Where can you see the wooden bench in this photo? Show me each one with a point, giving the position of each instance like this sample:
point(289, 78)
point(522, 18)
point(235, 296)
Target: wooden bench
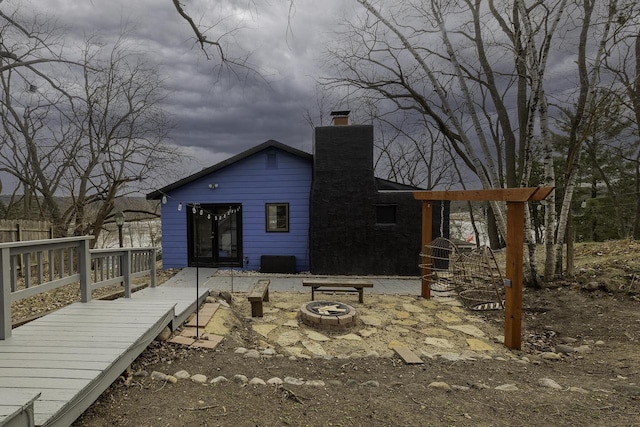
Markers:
point(257, 293)
point(338, 285)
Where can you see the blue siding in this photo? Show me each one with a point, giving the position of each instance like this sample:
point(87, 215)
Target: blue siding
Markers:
point(251, 182)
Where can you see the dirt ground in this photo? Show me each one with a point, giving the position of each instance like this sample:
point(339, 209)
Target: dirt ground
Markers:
point(579, 365)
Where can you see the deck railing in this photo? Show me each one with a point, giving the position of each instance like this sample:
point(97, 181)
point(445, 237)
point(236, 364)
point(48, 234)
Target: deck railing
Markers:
point(33, 267)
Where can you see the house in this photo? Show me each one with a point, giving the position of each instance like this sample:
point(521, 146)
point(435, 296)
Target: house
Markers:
point(274, 208)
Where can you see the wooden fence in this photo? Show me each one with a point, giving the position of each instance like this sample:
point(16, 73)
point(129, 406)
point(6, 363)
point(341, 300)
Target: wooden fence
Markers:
point(21, 230)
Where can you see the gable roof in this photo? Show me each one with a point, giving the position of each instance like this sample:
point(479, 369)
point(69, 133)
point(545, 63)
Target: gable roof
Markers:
point(156, 195)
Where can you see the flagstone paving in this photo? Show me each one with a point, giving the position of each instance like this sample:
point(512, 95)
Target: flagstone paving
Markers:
point(406, 326)
point(438, 327)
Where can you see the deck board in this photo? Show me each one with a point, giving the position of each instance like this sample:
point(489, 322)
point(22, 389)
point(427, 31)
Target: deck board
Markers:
point(16, 407)
point(71, 356)
point(55, 364)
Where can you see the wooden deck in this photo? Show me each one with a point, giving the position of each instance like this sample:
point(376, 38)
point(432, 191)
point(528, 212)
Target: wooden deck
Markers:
point(71, 356)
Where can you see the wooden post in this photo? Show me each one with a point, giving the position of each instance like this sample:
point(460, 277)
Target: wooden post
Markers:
point(126, 272)
point(514, 275)
point(427, 222)
point(19, 257)
point(153, 267)
point(84, 270)
point(5, 294)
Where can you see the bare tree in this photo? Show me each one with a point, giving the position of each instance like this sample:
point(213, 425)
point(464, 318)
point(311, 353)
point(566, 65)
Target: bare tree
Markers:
point(93, 136)
point(30, 54)
point(121, 131)
point(405, 153)
point(459, 73)
point(216, 40)
point(478, 72)
point(622, 62)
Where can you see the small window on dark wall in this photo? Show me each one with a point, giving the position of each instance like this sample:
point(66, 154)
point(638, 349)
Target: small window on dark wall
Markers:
point(278, 217)
point(385, 214)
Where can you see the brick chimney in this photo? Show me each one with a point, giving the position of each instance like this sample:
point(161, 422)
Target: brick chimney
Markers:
point(340, 118)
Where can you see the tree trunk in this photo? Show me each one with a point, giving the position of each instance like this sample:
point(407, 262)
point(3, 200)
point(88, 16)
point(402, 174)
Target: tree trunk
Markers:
point(571, 236)
point(635, 99)
point(580, 126)
point(495, 242)
point(531, 268)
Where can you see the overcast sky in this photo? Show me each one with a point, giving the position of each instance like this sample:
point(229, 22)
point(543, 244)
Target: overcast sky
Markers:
point(217, 116)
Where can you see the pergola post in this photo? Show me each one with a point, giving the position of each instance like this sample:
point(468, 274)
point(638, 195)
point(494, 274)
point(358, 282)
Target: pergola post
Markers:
point(427, 223)
point(514, 273)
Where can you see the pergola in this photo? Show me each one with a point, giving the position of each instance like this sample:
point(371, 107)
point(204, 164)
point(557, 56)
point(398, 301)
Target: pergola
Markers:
point(515, 199)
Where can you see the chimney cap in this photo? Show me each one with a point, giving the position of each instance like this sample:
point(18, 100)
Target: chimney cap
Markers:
point(340, 113)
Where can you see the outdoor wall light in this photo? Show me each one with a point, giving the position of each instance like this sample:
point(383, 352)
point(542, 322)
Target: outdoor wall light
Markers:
point(179, 206)
point(164, 200)
point(213, 186)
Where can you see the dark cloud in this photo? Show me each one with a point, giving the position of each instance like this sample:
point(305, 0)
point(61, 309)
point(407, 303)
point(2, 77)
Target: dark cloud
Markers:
point(219, 112)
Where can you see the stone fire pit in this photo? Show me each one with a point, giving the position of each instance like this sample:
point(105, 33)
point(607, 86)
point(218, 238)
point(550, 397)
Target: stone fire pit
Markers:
point(328, 315)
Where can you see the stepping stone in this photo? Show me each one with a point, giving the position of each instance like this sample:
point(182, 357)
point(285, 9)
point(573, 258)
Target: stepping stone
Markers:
point(401, 314)
point(371, 320)
point(317, 336)
point(405, 322)
point(448, 317)
point(411, 308)
point(204, 315)
point(429, 304)
point(438, 342)
point(263, 330)
point(208, 309)
point(212, 341)
point(182, 340)
point(288, 339)
point(365, 333)
point(405, 353)
point(191, 332)
point(394, 343)
point(314, 348)
point(474, 331)
point(425, 318)
point(350, 337)
point(452, 357)
point(295, 351)
point(437, 332)
point(478, 345)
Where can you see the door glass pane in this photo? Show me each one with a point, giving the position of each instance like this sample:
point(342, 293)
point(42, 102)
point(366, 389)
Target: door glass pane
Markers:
point(204, 246)
point(227, 236)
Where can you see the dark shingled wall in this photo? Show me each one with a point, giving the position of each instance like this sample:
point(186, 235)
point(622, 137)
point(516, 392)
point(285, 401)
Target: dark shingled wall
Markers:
point(344, 236)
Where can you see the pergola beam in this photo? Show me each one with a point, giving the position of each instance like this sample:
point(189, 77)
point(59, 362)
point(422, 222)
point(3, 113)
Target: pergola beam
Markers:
point(526, 194)
point(514, 272)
